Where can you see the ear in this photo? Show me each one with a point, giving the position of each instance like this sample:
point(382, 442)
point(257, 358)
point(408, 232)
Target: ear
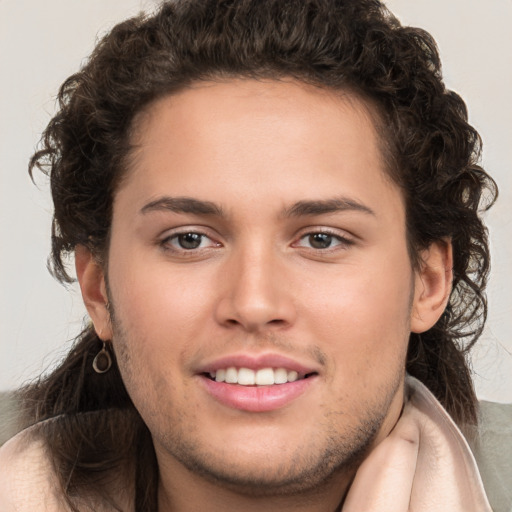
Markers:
point(432, 286)
point(94, 291)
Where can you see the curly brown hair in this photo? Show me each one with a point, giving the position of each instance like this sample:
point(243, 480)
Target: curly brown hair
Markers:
point(357, 45)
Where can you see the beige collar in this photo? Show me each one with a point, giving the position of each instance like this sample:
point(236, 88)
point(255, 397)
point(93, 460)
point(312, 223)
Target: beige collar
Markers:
point(424, 465)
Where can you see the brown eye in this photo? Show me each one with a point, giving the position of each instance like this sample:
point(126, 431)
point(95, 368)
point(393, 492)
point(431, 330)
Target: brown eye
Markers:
point(189, 240)
point(188, 243)
point(323, 241)
point(320, 240)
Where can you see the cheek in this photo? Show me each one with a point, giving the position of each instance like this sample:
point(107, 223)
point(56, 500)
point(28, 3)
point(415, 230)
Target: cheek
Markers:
point(153, 297)
point(157, 315)
point(364, 315)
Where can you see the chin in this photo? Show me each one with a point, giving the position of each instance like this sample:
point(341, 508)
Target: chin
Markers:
point(278, 472)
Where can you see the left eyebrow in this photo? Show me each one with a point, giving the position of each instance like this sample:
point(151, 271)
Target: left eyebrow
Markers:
point(321, 207)
point(183, 205)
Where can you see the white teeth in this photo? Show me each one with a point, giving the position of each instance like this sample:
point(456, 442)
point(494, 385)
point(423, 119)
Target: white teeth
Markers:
point(231, 375)
point(248, 377)
point(265, 377)
point(280, 376)
point(292, 376)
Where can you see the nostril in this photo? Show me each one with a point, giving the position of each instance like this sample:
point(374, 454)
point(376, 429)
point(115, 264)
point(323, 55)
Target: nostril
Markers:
point(232, 322)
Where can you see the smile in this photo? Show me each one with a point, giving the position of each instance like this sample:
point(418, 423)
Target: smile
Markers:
point(249, 377)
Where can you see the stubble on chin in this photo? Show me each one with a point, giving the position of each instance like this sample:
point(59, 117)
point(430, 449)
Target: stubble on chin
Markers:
point(307, 472)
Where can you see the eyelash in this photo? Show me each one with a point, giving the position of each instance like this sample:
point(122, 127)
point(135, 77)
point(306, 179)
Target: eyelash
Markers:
point(343, 241)
point(166, 243)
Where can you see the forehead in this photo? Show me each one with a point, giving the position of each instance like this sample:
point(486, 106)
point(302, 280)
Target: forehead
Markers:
point(249, 104)
point(248, 137)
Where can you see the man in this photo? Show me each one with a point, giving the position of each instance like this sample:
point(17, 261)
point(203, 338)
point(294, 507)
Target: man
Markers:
point(274, 212)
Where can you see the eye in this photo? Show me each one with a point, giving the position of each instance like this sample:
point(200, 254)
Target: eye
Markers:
point(188, 241)
point(323, 240)
point(320, 240)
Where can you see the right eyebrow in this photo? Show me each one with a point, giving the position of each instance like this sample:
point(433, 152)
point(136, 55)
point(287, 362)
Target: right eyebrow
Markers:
point(183, 205)
point(325, 206)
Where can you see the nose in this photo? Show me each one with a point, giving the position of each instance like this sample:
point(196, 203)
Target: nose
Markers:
point(255, 292)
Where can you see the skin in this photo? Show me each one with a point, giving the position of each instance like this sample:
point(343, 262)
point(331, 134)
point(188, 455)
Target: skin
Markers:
point(256, 285)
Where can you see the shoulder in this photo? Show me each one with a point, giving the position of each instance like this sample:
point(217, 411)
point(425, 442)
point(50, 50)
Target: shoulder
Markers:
point(27, 478)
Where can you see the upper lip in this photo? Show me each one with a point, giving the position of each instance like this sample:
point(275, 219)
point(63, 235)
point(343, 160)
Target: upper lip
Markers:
point(258, 361)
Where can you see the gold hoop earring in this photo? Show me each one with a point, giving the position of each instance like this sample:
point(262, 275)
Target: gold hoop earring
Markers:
point(102, 362)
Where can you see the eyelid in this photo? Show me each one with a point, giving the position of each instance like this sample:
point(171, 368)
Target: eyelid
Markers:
point(345, 238)
point(163, 240)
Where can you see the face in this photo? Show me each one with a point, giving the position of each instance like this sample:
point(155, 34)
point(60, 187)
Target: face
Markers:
point(260, 283)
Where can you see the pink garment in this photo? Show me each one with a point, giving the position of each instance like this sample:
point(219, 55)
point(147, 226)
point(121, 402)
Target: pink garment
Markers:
point(424, 465)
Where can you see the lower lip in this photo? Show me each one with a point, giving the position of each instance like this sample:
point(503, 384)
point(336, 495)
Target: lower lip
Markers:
point(256, 398)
